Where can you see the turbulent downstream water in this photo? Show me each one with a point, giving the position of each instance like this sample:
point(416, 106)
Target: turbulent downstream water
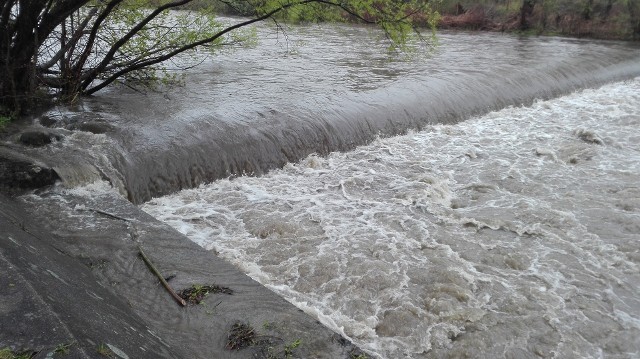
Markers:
point(514, 233)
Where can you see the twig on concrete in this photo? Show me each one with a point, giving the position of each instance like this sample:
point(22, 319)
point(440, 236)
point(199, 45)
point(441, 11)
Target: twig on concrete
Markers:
point(161, 278)
point(104, 213)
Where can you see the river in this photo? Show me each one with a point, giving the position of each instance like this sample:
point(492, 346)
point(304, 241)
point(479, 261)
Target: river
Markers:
point(321, 88)
point(484, 203)
point(514, 234)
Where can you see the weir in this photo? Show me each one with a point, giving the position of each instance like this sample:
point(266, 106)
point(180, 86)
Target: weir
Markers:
point(252, 111)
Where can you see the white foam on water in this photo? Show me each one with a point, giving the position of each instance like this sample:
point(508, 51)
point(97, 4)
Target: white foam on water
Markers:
point(515, 234)
point(99, 187)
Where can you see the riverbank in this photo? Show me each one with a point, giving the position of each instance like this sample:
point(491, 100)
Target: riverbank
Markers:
point(74, 283)
point(612, 20)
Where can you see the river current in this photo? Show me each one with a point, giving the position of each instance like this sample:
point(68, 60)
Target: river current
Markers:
point(515, 234)
point(319, 89)
point(485, 202)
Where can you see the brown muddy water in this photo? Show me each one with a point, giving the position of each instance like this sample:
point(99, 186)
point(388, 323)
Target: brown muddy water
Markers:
point(503, 220)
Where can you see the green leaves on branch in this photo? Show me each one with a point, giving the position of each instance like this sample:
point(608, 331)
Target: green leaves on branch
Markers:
point(173, 32)
point(85, 45)
point(402, 21)
point(145, 47)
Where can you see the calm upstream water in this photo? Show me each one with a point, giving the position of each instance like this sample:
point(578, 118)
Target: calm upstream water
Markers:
point(502, 220)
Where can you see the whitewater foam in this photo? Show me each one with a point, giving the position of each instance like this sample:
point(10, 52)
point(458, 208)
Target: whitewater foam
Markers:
point(512, 234)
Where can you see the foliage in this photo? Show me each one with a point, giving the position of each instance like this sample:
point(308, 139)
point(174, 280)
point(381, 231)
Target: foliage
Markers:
point(197, 293)
point(62, 348)
point(6, 353)
point(4, 120)
point(240, 336)
point(104, 351)
point(77, 47)
point(612, 19)
point(288, 349)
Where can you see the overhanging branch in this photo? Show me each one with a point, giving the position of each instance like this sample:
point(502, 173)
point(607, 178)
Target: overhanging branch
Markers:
point(72, 42)
point(143, 64)
point(122, 41)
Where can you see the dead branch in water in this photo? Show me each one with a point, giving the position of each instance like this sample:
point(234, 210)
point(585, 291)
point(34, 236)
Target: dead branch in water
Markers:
point(161, 278)
point(107, 214)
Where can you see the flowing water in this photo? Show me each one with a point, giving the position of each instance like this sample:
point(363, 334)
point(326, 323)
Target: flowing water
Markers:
point(515, 234)
point(321, 89)
point(473, 233)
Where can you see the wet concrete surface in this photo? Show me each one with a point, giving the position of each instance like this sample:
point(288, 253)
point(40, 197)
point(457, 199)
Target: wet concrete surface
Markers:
point(72, 278)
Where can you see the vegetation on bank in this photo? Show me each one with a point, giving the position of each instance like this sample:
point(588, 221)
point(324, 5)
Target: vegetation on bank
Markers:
point(602, 19)
point(60, 50)
point(68, 48)
point(4, 120)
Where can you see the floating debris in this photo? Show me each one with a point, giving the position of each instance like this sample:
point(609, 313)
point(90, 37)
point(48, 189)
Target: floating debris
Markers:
point(197, 293)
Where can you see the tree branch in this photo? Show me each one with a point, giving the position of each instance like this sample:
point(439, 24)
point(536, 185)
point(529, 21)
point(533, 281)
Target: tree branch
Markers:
point(159, 59)
point(91, 75)
point(155, 271)
point(94, 33)
point(72, 41)
point(61, 11)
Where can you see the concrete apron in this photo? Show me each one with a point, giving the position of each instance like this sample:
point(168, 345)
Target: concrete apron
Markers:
point(72, 280)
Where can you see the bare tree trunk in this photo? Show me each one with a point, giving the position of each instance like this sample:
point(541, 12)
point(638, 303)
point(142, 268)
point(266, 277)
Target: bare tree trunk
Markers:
point(634, 19)
point(17, 75)
point(525, 10)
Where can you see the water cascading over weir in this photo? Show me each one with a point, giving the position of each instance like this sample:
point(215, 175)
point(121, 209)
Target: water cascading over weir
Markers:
point(255, 110)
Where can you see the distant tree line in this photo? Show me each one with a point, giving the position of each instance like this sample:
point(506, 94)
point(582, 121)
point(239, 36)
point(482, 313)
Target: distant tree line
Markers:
point(607, 19)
